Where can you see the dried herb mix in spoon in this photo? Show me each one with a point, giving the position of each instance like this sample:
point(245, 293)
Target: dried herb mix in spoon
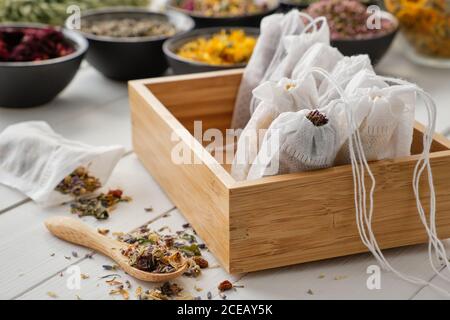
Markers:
point(153, 252)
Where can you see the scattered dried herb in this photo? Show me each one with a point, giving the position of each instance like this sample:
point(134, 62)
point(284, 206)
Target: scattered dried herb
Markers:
point(78, 183)
point(103, 232)
point(75, 254)
point(89, 255)
point(201, 262)
point(186, 225)
point(99, 206)
point(209, 295)
point(166, 292)
point(321, 276)
point(52, 254)
point(149, 209)
point(109, 267)
point(51, 294)
point(128, 28)
point(340, 277)
point(225, 286)
point(84, 276)
point(120, 291)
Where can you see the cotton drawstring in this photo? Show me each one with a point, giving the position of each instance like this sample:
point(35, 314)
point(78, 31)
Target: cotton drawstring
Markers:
point(360, 190)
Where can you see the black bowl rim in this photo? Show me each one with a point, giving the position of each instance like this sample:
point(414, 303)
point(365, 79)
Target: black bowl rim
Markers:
point(385, 15)
point(192, 14)
point(132, 10)
point(204, 31)
point(82, 45)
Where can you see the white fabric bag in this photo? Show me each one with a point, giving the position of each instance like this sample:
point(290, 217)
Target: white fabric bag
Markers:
point(295, 46)
point(34, 159)
point(319, 55)
point(276, 98)
point(344, 72)
point(386, 130)
point(297, 142)
point(266, 56)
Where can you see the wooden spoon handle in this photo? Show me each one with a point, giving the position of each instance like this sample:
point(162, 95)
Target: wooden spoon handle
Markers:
point(75, 231)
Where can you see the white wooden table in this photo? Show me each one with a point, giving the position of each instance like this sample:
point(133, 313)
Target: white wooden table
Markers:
point(95, 110)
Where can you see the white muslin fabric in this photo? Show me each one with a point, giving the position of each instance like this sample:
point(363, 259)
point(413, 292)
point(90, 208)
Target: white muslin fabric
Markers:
point(34, 159)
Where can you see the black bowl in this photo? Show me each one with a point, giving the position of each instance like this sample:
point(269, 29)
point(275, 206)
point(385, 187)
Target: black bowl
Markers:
point(250, 20)
point(375, 47)
point(30, 84)
point(131, 58)
point(181, 65)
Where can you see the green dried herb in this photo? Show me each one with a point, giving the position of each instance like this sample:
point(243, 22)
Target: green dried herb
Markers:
point(53, 12)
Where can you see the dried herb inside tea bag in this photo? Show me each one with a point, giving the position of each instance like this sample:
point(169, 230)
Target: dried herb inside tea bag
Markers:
point(78, 183)
point(99, 206)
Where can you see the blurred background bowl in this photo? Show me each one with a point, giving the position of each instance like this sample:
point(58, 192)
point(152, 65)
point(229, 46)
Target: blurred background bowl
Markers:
point(30, 84)
point(182, 65)
point(133, 57)
point(376, 46)
point(247, 20)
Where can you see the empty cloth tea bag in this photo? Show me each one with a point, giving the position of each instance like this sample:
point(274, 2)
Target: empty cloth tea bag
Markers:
point(266, 56)
point(276, 98)
point(297, 142)
point(34, 159)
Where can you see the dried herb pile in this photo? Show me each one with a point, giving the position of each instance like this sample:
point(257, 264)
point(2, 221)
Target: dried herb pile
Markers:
point(53, 11)
point(167, 291)
point(78, 183)
point(81, 186)
point(32, 44)
point(128, 28)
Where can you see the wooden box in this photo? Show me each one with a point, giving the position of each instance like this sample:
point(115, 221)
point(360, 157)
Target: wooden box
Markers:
point(275, 221)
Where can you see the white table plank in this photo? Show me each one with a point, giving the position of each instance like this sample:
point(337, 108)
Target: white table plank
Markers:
point(93, 288)
point(340, 278)
point(26, 245)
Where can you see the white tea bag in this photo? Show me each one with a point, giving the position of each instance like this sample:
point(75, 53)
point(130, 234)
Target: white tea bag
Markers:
point(344, 71)
point(296, 142)
point(386, 129)
point(266, 56)
point(317, 31)
point(276, 98)
point(34, 160)
point(320, 55)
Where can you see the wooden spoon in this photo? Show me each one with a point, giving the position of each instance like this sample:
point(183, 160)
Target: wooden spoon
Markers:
point(75, 231)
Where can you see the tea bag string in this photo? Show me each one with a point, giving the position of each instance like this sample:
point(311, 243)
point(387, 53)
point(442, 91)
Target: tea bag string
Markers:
point(422, 164)
point(358, 177)
point(362, 218)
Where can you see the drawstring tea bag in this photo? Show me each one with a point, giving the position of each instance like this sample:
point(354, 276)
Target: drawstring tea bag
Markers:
point(266, 56)
point(364, 214)
point(297, 142)
point(34, 159)
point(276, 98)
